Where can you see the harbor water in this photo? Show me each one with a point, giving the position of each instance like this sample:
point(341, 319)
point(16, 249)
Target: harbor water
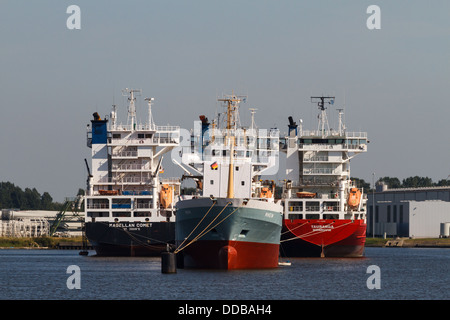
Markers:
point(404, 273)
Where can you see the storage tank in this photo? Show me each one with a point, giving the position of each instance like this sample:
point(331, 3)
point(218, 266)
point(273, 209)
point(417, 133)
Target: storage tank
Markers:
point(445, 230)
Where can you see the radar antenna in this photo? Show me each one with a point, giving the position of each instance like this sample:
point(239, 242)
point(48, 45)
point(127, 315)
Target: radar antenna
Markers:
point(323, 127)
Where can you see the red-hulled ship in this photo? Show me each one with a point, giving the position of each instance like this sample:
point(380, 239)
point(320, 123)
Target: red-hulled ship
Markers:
point(324, 211)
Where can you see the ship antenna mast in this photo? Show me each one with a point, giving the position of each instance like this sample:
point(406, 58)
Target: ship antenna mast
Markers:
point(150, 116)
point(323, 120)
point(341, 124)
point(253, 111)
point(131, 106)
point(232, 111)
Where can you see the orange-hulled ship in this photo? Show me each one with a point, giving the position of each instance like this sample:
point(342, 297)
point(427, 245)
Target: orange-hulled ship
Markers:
point(324, 211)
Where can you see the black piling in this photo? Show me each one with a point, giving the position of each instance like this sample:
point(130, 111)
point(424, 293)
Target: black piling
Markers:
point(168, 262)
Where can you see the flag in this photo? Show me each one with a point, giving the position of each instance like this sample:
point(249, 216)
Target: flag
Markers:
point(214, 166)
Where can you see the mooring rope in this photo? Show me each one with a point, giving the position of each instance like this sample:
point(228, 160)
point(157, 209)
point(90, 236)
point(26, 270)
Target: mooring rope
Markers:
point(206, 230)
point(214, 203)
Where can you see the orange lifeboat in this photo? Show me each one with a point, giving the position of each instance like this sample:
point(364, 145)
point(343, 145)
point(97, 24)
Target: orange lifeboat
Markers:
point(354, 198)
point(304, 194)
point(165, 196)
point(108, 192)
point(266, 193)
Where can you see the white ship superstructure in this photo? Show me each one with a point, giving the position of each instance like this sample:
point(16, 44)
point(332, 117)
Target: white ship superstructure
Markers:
point(125, 190)
point(254, 153)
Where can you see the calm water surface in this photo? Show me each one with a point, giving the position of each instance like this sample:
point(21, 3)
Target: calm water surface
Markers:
point(405, 273)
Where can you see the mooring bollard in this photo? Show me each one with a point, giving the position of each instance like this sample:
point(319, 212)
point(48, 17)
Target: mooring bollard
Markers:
point(168, 262)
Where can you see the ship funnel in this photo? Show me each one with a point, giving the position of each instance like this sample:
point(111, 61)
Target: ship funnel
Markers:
point(292, 126)
point(291, 122)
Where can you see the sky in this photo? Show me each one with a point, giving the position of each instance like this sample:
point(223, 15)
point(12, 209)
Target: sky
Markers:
point(392, 82)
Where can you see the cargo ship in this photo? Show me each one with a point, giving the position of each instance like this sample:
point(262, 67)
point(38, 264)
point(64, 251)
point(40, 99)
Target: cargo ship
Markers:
point(129, 207)
point(324, 210)
point(234, 221)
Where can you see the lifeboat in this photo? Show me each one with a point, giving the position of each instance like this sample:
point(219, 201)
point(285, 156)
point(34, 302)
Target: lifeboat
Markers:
point(266, 193)
point(304, 194)
point(165, 196)
point(108, 192)
point(354, 198)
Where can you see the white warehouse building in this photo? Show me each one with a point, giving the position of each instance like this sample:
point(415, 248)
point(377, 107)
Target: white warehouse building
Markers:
point(409, 212)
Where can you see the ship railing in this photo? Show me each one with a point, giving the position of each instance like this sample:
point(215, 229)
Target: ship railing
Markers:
point(355, 146)
point(318, 171)
point(143, 127)
point(133, 180)
point(334, 133)
point(138, 141)
point(329, 208)
point(314, 181)
point(295, 208)
point(317, 158)
point(167, 128)
point(326, 208)
point(323, 146)
point(310, 208)
point(98, 206)
point(170, 180)
point(356, 135)
point(167, 140)
point(125, 180)
point(143, 206)
point(129, 166)
point(124, 154)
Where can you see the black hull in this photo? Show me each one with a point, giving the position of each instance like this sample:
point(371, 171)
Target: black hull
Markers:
point(303, 249)
point(130, 239)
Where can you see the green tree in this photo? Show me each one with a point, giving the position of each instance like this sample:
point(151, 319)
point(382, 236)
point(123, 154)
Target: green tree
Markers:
point(13, 197)
point(443, 183)
point(32, 199)
point(417, 182)
point(46, 201)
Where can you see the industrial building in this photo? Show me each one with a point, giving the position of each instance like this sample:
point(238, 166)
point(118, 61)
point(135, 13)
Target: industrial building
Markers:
point(36, 223)
point(409, 212)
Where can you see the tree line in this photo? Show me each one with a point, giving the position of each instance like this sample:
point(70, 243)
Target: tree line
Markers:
point(13, 197)
point(411, 182)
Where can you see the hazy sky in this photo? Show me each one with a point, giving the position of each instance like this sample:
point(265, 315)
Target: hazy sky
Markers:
point(392, 82)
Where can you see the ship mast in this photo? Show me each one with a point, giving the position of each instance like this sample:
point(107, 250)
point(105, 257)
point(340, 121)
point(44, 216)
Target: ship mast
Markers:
point(253, 111)
point(323, 121)
point(232, 106)
point(150, 116)
point(131, 107)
